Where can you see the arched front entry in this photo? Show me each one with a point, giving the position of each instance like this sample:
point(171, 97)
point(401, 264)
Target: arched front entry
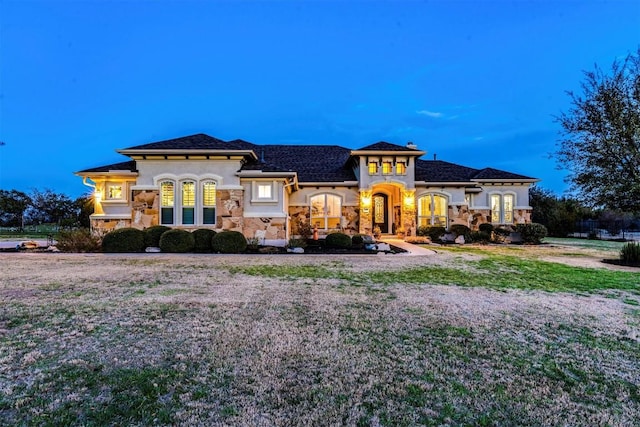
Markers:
point(380, 214)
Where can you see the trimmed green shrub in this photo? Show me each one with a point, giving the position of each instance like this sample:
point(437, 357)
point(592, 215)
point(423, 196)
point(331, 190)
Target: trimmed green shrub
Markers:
point(152, 235)
point(357, 240)
point(480, 237)
point(433, 232)
point(177, 241)
point(500, 234)
point(461, 230)
point(532, 233)
point(203, 237)
point(123, 240)
point(630, 253)
point(486, 227)
point(229, 242)
point(338, 240)
point(80, 240)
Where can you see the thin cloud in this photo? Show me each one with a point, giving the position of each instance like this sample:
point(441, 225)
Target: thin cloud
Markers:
point(428, 113)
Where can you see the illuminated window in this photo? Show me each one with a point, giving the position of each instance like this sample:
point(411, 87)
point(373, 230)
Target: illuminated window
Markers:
point(387, 168)
point(166, 202)
point(209, 202)
point(373, 168)
point(401, 168)
point(502, 208)
point(432, 210)
point(264, 191)
point(326, 211)
point(188, 202)
point(114, 192)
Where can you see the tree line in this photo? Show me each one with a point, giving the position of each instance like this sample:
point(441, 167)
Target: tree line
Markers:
point(19, 209)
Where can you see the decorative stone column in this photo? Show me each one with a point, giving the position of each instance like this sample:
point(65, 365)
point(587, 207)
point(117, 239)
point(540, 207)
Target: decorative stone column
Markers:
point(366, 220)
point(409, 211)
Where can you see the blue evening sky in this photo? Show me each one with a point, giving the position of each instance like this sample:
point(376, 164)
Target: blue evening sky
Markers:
point(477, 83)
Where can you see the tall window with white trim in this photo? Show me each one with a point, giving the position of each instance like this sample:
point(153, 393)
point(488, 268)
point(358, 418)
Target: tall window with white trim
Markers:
point(188, 202)
point(167, 201)
point(502, 208)
point(326, 211)
point(209, 202)
point(432, 210)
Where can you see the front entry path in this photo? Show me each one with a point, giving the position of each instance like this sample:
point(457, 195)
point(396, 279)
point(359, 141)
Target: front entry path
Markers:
point(411, 249)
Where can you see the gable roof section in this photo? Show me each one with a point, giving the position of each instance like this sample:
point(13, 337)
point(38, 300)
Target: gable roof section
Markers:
point(441, 171)
point(386, 146)
point(491, 174)
point(129, 166)
point(313, 163)
point(198, 141)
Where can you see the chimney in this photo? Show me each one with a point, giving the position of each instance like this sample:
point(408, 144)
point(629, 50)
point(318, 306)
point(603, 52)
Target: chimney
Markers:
point(435, 156)
point(412, 146)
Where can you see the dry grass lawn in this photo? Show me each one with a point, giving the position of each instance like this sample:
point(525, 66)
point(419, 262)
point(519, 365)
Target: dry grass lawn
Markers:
point(212, 340)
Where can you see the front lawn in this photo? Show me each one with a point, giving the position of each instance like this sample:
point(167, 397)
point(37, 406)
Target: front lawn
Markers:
point(469, 336)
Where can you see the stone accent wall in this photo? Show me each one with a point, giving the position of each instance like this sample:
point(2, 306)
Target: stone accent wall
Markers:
point(101, 227)
point(298, 213)
point(479, 216)
point(265, 228)
point(351, 219)
point(522, 216)
point(229, 210)
point(145, 208)
point(459, 214)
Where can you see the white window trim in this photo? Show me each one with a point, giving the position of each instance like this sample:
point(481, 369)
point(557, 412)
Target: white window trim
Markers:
point(325, 216)
point(125, 189)
point(502, 210)
point(432, 215)
point(174, 207)
point(254, 192)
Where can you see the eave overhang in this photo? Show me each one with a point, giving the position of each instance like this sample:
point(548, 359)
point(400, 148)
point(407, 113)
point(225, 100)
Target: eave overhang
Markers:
point(329, 184)
point(120, 173)
point(414, 153)
point(148, 154)
point(507, 181)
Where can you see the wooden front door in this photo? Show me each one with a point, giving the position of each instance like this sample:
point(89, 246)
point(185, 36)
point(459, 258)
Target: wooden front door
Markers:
point(381, 212)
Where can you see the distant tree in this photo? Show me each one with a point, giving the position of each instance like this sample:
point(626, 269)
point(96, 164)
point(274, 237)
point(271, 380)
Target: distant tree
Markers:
point(559, 214)
point(601, 137)
point(48, 207)
point(13, 205)
point(84, 206)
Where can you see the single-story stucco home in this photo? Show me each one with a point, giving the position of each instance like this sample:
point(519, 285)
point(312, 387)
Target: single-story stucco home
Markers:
point(263, 191)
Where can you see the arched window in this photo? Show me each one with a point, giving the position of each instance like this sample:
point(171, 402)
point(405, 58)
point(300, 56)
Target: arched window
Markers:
point(502, 208)
point(167, 202)
point(432, 210)
point(188, 202)
point(326, 211)
point(209, 202)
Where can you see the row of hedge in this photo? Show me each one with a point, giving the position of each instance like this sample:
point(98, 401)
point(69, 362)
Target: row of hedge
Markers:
point(174, 240)
point(532, 233)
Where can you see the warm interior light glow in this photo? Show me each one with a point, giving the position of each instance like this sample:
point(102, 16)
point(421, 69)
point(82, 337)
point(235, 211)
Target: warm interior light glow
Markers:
point(98, 195)
point(409, 199)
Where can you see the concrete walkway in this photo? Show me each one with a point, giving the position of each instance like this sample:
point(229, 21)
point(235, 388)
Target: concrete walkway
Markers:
point(413, 250)
point(11, 244)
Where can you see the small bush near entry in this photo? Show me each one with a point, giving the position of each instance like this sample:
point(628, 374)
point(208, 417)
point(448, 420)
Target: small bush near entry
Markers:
point(123, 240)
point(177, 241)
point(357, 240)
point(229, 242)
point(434, 233)
point(338, 240)
point(152, 235)
point(203, 237)
point(630, 253)
point(500, 234)
point(80, 240)
point(480, 237)
point(532, 233)
point(461, 230)
point(486, 228)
